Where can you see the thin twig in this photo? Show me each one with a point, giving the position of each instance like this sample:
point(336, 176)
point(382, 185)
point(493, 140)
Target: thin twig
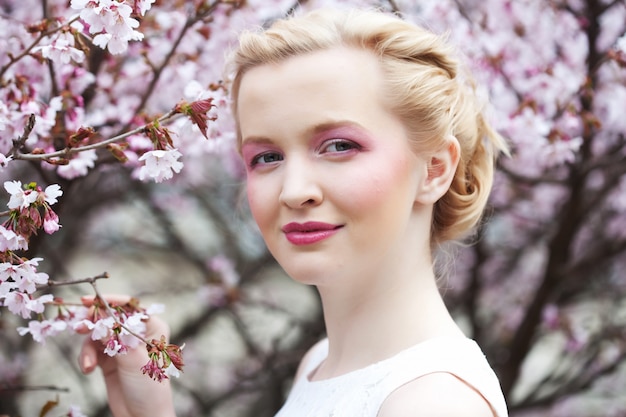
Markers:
point(92, 281)
point(20, 142)
point(34, 388)
point(68, 151)
point(89, 280)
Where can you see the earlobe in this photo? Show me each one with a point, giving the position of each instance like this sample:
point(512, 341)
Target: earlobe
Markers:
point(440, 170)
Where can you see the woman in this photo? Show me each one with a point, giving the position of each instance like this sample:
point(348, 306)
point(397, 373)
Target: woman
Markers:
point(365, 149)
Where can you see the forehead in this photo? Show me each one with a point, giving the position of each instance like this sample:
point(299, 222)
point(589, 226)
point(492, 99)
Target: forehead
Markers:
point(342, 83)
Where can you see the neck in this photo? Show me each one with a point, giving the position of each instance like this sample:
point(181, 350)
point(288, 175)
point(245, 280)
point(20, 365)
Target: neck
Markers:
point(381, 318)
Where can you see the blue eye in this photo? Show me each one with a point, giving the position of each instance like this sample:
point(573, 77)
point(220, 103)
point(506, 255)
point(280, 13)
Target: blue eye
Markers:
point(266, 158)
point(340, 145)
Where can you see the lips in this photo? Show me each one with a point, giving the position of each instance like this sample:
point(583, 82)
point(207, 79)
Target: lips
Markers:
point(310, 232)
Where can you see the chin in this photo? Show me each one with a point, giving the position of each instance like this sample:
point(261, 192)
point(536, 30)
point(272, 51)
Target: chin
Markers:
point(304, 277)
point(315, 267)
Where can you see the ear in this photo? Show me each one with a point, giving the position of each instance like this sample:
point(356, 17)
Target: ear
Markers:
point(440, 169)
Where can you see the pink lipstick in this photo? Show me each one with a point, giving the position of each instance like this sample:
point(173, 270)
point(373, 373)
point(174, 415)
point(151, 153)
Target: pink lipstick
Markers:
point(309, 232)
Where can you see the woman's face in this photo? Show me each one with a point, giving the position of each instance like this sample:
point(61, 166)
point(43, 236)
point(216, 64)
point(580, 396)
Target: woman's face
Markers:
point(332, 180)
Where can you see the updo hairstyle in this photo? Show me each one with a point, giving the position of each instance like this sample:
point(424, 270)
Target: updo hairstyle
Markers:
point(425, 88)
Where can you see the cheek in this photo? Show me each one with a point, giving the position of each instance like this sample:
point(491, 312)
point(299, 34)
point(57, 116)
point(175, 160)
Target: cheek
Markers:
point(261, 201)
point(380, 184)
point(365, 192)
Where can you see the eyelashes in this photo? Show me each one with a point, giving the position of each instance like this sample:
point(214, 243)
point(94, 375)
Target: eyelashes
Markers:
point(339, 146)
point(265, 158)
point(332, 148)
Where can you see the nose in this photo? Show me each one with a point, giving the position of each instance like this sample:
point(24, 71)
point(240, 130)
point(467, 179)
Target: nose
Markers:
point(301, 186)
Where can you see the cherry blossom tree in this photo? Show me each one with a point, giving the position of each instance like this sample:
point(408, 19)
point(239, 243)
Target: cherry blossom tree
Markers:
point(120, 174)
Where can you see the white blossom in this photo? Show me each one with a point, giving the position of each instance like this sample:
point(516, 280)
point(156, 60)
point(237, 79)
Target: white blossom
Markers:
point(20, 198)
point(9, 240)
point(40, 330)
point(79, 165)
point(160, 165)
point(52, 192)
point(61, 49)
point(110, 21)
point(102, 328)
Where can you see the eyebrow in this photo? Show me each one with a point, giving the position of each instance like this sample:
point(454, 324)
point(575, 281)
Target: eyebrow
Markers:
point(311, 131)
point(323, 127)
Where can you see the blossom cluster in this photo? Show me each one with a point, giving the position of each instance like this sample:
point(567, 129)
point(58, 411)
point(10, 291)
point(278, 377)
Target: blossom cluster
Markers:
point(47, 118)
point(29, 211)
point(111, 21)
point(26, 204)
point(120, 327)
point(166, 360)
point(57, 112)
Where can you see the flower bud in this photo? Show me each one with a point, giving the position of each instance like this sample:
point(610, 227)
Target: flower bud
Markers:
point(118, 151)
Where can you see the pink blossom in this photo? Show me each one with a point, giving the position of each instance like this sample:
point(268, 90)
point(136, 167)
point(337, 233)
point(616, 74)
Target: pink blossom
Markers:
point(102, 328)
point(79, 165)
point(8, 271)
point(76, 78)
point(17, 303)
point(6, 287)
point(10, 241)
point(560, 152)
point(37, 305)
point(46, 115)
point(139, 142)
point(83, 323)
point(24, 277)
point(61, 49)
point(160, 165)
point(111, 21)
point(114, 347)
point(142, 6)
point(51, 222)
point(135, 324)
point(29, 278)
point(116, 44)
point(40, 330)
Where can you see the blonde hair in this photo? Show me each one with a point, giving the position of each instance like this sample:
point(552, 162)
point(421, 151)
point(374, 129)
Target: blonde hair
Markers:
point(425, 86)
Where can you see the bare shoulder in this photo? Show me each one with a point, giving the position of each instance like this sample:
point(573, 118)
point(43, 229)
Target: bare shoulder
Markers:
point(436, 395)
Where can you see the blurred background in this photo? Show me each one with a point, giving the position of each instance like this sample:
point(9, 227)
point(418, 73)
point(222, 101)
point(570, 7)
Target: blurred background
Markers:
point(541, 288)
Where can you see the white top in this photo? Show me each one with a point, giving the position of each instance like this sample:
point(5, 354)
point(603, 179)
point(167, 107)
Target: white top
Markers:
point(362, 392)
